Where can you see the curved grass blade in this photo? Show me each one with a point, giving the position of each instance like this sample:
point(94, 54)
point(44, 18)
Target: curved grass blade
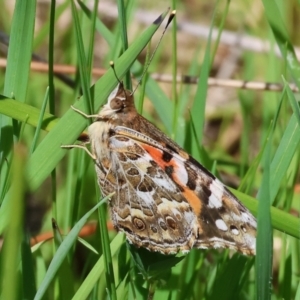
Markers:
point(26, 113)
point(89, 282)
point(63, 250)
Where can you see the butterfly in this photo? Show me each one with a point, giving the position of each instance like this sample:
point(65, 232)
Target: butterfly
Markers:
point(164, 200)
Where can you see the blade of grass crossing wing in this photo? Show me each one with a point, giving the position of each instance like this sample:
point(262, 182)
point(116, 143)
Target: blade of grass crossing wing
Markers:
point(65, 276)
point(91, 279)
point(63, 250)
point(72, 124)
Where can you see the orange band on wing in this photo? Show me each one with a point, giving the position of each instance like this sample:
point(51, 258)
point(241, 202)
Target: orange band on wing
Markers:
point(189, 195)
point(193, 200)
point(156, 154)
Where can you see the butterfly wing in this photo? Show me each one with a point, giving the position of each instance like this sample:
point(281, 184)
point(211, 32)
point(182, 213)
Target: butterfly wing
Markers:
point(147, 204)
point(166, 201)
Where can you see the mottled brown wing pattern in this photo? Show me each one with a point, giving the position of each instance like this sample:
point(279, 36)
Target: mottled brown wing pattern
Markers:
point(147, 204)
point(155, 173)
point(164, 199)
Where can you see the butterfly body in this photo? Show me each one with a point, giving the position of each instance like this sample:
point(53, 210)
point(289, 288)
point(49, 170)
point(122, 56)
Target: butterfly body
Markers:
point(164, 200)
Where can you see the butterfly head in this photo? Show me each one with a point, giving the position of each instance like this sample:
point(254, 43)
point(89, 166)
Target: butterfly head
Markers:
point(120, 103)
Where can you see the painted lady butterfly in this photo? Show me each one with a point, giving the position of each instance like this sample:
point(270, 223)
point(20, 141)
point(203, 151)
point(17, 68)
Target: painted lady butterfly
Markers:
point(164, 199)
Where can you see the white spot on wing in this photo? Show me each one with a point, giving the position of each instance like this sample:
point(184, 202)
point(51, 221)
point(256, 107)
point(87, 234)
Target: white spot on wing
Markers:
point(190, 218)
point(235, 231)
point(147, 197)
point(167, 184)
point(221, 225)
point(181, 173)
point(247, 218)
point(217, 190)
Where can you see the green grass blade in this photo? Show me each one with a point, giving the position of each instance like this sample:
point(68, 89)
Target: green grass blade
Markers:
point(40, 121)
point(280, 32)
point(11, 251)
point(284, 154)
point(92, 37)
point(89, 282)
point(64, 273)
point(174, 74)
point(84, 72)
point(28, 278)
point(227, 282)
point(161, 103)
point(198, 108)
point(293, 101)
point(124, 38)
point(16, 77)
point(298, 292)
point(19, 57)
point(107, 255)
point(63, 250)
point(26, 113)
point(51, 61)
point(285, 285)
point(264, 240)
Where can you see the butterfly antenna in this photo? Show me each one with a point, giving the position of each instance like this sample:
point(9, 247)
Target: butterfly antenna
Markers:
point(112, 65)
point(171, 17)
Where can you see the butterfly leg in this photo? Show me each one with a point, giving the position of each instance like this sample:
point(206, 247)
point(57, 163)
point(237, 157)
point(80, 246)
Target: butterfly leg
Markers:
point(80, 146)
